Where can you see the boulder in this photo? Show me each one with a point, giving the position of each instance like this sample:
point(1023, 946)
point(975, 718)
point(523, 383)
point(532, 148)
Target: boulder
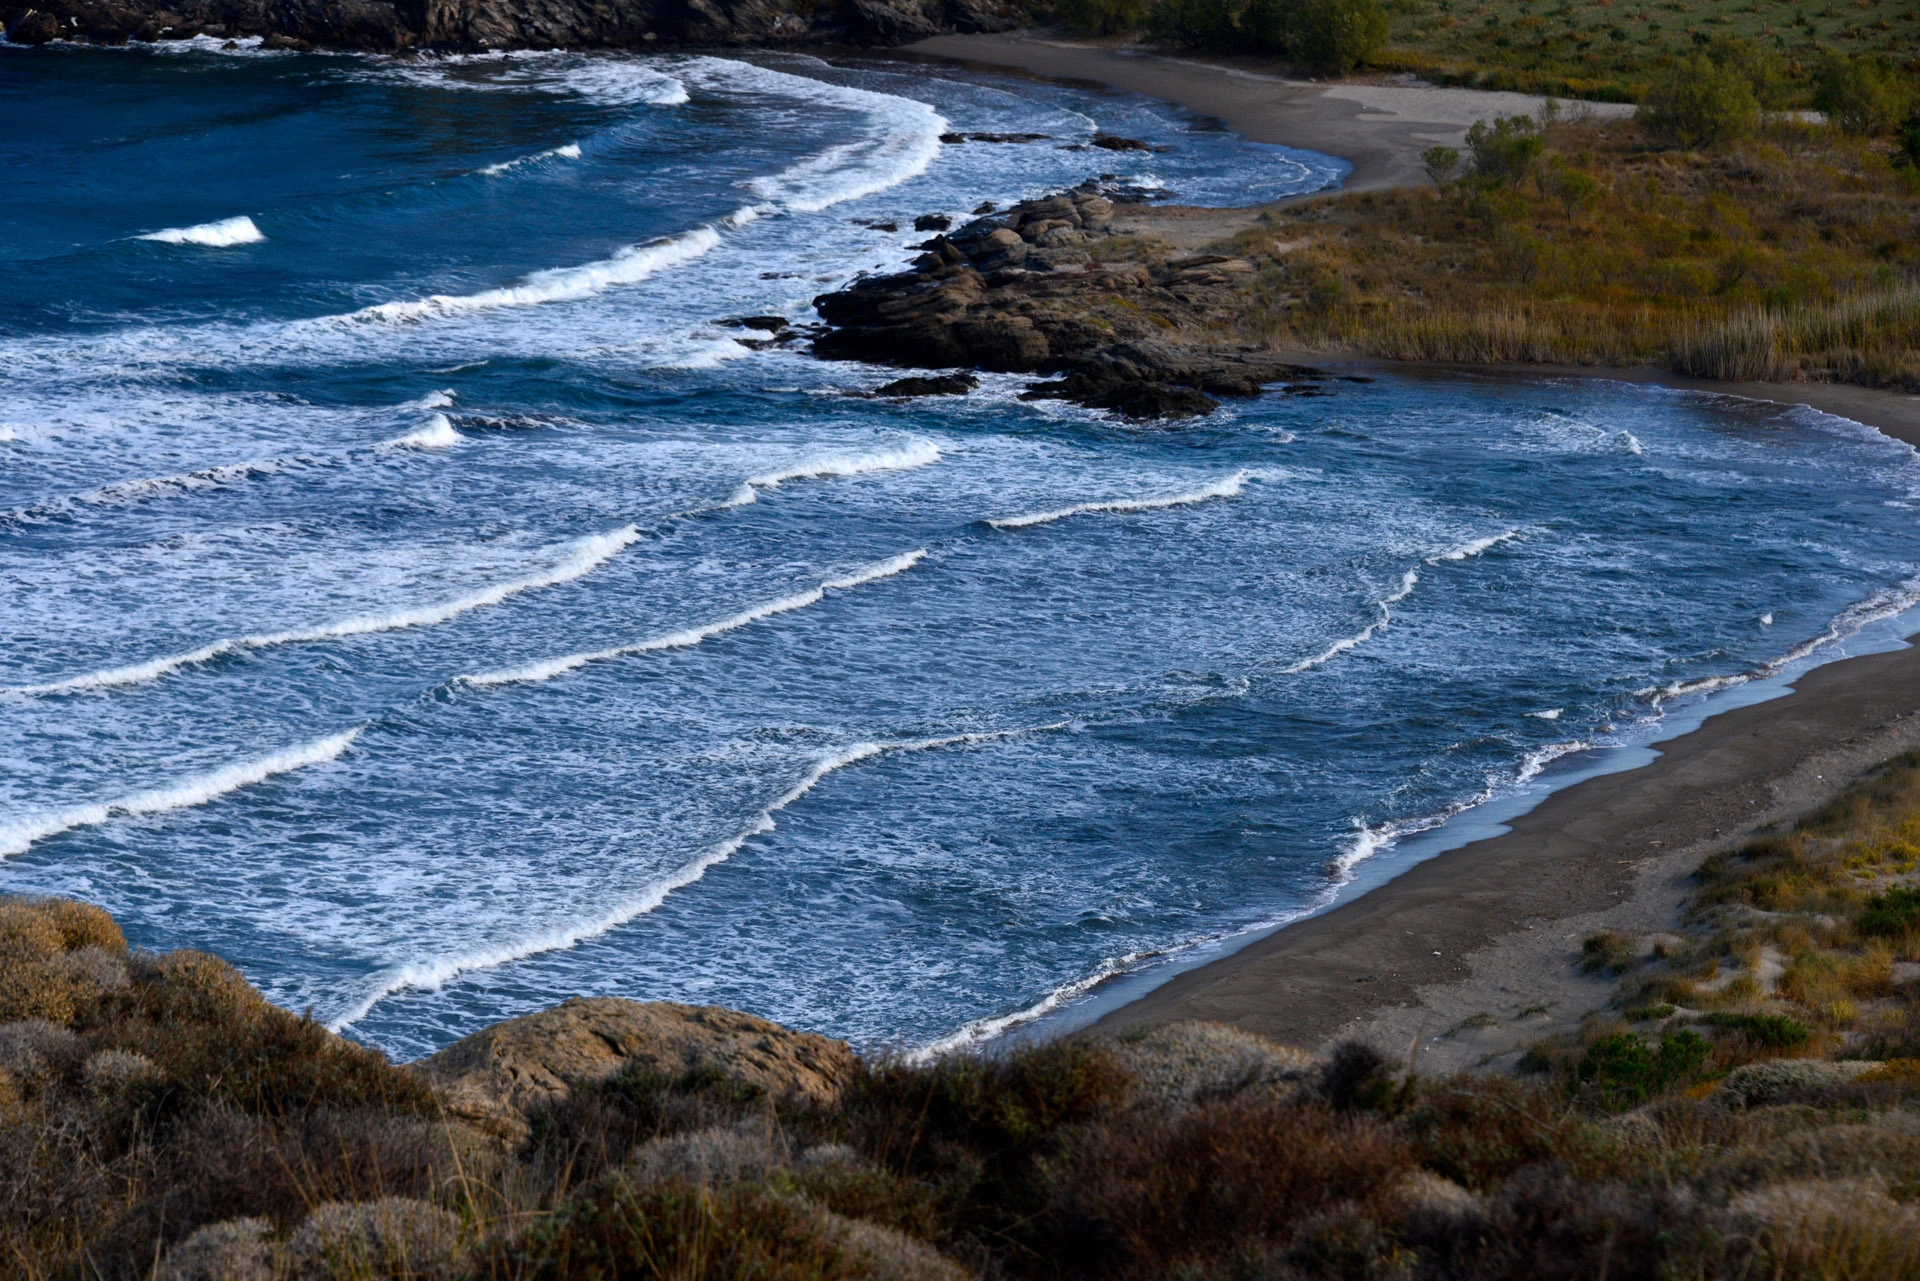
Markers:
point(501, 1077)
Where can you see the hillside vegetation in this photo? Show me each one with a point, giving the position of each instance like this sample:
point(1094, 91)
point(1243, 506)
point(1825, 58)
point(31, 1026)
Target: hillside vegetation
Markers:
point(1785, 251)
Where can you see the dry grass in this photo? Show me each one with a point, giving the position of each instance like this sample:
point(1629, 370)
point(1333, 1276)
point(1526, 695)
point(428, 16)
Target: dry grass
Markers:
point(1793, 255)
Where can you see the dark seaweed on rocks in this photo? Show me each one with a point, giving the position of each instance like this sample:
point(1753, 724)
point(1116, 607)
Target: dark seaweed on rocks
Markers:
point(1029, 291)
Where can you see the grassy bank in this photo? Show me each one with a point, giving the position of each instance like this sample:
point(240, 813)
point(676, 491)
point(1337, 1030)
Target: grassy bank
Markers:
point(1790, 253)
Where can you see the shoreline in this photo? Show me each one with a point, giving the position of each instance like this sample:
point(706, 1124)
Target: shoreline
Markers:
point(1471, 951)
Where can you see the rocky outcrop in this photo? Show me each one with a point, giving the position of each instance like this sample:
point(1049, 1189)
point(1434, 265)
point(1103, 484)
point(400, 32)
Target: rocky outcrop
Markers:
point(1042, 289)
point(391, 25)
point(502, 1077)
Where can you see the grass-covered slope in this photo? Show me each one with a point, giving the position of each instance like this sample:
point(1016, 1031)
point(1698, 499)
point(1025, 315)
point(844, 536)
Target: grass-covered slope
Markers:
point(1790, 253)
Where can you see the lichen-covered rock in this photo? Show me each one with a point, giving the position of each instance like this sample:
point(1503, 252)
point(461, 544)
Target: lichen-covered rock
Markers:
point(500, 1077)
point(1184, 1063)
point(237, 1250)
point(394, 1237)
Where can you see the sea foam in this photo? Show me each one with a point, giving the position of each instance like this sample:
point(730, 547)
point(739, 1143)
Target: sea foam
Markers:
point(431, 975)
point(212, 235)
point(1408, 582)
point(581, 558)
point(918, 453)
point(436, 433)
point(569, 152)
point(547, 669)
point(1225, 487)
point(18, 834)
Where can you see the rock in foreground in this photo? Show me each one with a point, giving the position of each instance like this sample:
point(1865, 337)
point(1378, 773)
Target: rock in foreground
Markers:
point(502, 1076)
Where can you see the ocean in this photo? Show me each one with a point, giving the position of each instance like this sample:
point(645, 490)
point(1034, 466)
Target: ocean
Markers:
point(416, 586)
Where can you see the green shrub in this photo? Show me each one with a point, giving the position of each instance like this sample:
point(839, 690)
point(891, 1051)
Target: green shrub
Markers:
point(1891, 914)
point(1606, 952)
point(1625, 1070)
point(1701, 104)
point(1441, 163)
point(1192, 24)
point(1507, 150)
point(1333, 36)
point(1864, 95)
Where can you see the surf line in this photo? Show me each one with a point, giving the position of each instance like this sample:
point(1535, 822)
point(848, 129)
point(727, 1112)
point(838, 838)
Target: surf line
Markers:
point(20, 834)
point(430, 976)
point(1408, 581)
point(582, 557)
point(1225, 487)
point(687, 638)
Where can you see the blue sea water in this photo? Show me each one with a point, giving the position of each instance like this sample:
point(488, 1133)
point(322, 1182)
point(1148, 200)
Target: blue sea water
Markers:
point(412, 590)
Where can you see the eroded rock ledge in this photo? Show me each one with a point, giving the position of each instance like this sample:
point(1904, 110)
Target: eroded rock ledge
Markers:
point(1049, 287)
point(394, 25)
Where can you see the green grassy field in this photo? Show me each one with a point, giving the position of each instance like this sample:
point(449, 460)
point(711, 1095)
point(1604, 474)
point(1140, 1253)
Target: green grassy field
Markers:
point(1614, 48)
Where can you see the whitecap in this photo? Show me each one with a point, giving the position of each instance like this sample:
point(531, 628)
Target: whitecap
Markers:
point(547, 669)
point(432, 400)
point(580, 558)
point(213, 235)
point(436, 433)
point(1466, 551)
point(570, 151)
point(916, 453)
point(1551, 714)
point(1226, 487)
point(17, 835)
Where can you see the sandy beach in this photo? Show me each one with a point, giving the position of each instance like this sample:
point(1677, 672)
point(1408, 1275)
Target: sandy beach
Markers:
point(1474, 953)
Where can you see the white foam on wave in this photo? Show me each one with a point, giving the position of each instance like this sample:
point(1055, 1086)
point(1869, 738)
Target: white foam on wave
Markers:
point(1897, 599)
point(1550, 714)
point(432, 400)
point(903, 140)
point(432, 975)
point(582, 557)
point(979, 1031)
point(17, 835)
point(570, 151)
point(1408, 582)
point(559, 284)
point(915, 453)
point(1225, 487)
point(436, 433)
point(1467, 551)
point(212, 235)
point(687, 638)
point(607, 80)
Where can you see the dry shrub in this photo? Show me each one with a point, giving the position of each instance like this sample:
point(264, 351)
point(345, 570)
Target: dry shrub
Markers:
point(1146, 1193)
point(391, 1239)
point(36, 936)
point(619, 1229)
point(1847, 1230)
point(1479, 1130)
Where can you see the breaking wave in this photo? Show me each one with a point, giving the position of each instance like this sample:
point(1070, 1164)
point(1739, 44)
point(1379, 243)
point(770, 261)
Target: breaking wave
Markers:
point(1226, 487)
point(585, 556)
point(19, 834)
point(212, 235)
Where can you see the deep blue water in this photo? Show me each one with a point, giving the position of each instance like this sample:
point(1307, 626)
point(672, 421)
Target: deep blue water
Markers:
point(412, 593)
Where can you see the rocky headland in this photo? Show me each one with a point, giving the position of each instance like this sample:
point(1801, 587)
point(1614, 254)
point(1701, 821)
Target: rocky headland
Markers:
point(1054, 287)
point(396, 25)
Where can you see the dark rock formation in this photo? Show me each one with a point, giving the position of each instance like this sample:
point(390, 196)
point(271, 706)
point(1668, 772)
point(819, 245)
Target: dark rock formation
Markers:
point(943, 385)
point(391, 25)
point(1027, 292)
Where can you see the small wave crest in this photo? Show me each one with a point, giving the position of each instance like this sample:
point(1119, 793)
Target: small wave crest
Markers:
point(1225, 487)
point(581, 558)
point(436, 433)
point(1408, 582)
point(569, 152)
point(918, 453)
point(1468, 550)
point(432, 975)
point(559, 284)
point(1897, 599)
point(547, 669)
point(212, 235)
point(17, 835)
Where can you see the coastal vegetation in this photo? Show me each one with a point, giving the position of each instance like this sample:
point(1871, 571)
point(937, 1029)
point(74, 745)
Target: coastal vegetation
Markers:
point(1699, 236)
point(1749, 1108)
point(1616, 50)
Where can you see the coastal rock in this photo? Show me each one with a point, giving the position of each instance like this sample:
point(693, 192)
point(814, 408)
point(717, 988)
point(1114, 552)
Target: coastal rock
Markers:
point(500, 1077)
point(1028, 291)
point(945, 385)
point(393, 25)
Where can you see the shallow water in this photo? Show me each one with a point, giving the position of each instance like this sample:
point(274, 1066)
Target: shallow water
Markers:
point(409, 592)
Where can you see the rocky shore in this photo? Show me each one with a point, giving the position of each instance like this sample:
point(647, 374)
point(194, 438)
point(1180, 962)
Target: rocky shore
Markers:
point(1050, 287)
point(396, 25)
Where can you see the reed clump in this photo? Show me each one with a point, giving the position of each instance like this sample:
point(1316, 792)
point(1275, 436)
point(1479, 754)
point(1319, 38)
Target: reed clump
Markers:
point(1789, 253)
